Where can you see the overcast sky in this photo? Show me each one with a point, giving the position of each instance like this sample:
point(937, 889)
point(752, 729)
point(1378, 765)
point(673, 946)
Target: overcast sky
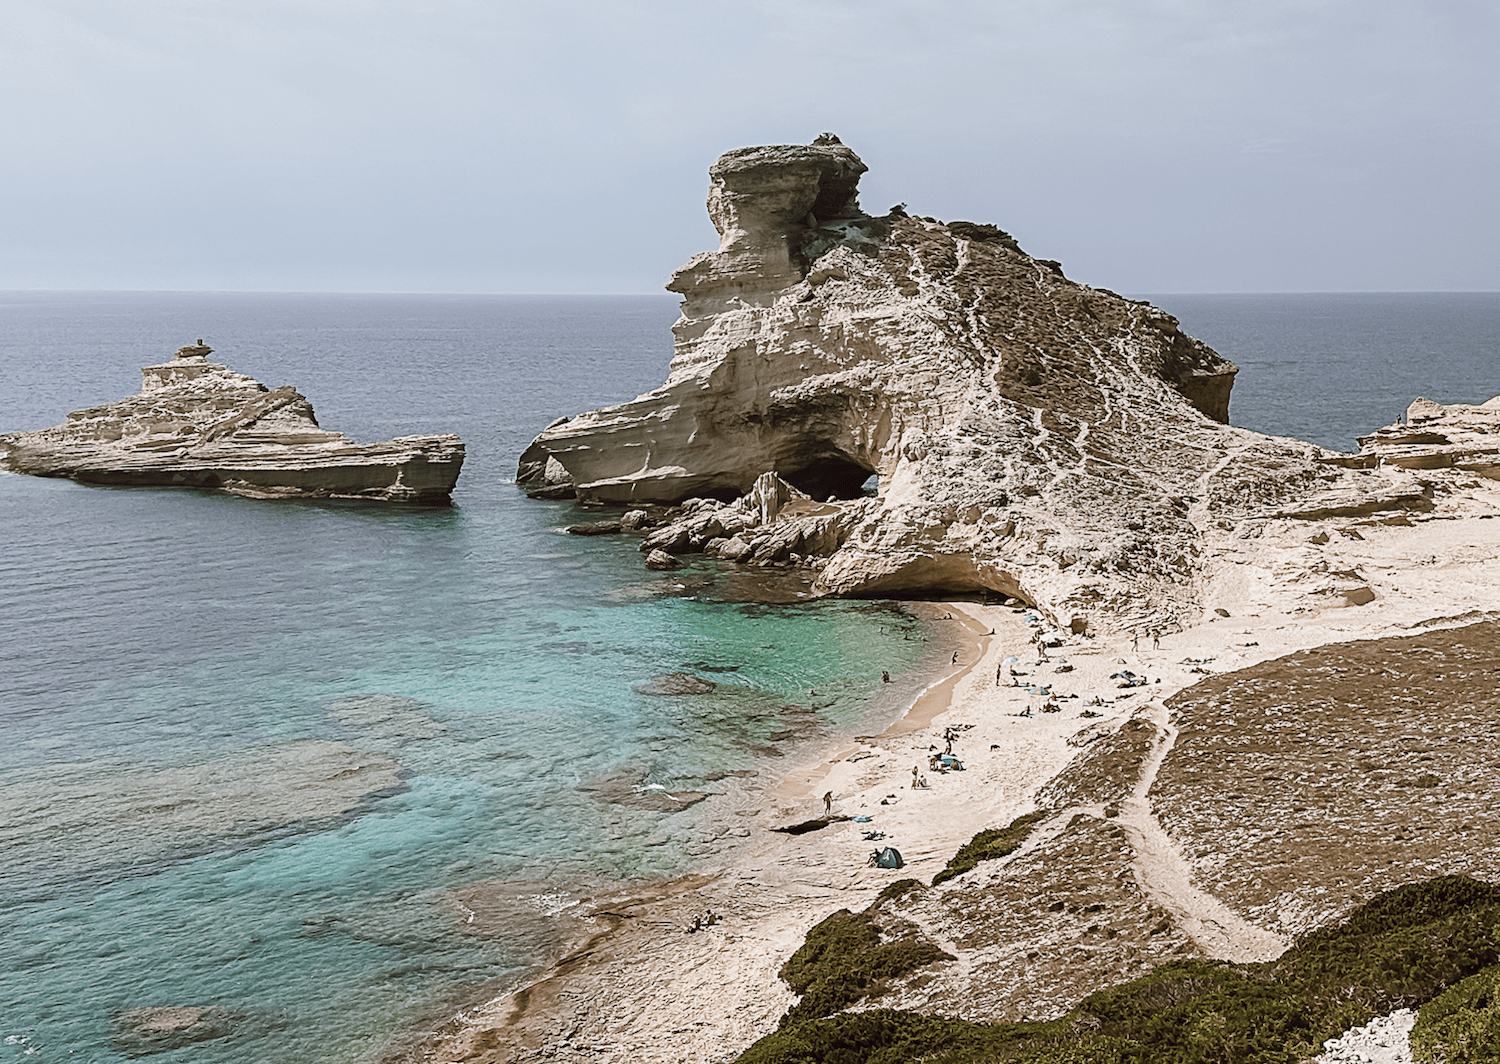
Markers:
point(469, 146)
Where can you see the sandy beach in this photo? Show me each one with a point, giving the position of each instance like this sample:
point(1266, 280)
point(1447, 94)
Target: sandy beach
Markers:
point(640, 986)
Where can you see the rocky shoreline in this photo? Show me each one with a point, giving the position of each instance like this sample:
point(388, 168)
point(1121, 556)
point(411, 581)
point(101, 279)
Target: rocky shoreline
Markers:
point(198, 424)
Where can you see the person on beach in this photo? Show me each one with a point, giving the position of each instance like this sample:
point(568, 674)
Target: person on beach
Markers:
point(885, 677)
point(955, 658)
point(1135, 639)
point(1155, 639)
point(828, 802)
point(999, 671)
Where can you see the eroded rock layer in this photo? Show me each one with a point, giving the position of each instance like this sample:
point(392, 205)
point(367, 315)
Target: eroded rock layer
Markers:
point(1029, 435)
point(199, 424)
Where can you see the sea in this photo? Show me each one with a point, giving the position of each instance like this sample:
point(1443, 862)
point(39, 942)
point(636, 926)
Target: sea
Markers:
point(262, 757)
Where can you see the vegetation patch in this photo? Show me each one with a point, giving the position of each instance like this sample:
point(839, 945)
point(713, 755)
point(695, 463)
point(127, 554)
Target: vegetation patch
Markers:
point(897, 889)
point(846, 958)
point(991, 844)
point(1436, 943)
point(1462, 1024)
point(983, 233)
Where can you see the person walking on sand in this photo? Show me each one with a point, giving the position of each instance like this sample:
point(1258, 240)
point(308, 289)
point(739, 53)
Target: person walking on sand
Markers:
point(1155, 639)
point(1135, 639)
point(999, 671)
point(828, 802)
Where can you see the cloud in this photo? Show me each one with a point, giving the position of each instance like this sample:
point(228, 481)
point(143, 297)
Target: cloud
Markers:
point(436, 144)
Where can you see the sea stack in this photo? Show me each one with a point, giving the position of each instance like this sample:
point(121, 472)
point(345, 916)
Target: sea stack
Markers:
point(199, 424)
point(1029, 435)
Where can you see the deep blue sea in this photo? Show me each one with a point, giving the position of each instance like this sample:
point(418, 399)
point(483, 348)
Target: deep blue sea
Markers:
point(257, 754)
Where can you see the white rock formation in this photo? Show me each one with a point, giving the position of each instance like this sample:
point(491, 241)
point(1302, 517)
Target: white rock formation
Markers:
point(198, 424)
point(1434, 436)
point(1029, 435)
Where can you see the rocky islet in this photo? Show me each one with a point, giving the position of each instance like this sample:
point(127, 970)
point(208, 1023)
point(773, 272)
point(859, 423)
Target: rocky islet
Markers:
point(199, 424)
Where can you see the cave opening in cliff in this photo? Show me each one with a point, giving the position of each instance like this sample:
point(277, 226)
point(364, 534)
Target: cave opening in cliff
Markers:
point(824, 475)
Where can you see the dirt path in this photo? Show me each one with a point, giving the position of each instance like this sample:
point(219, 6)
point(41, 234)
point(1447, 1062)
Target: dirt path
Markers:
point(1165, 875)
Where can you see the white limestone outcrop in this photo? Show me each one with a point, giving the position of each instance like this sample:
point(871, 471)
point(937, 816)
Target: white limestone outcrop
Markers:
point(1027, 434)
point(199, 424)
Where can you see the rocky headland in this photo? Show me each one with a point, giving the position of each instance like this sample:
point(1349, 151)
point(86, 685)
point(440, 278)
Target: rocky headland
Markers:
point(1222, 738)
point(199, 424)
point(1020, 433)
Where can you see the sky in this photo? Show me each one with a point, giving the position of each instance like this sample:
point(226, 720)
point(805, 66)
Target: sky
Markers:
point(563, 147)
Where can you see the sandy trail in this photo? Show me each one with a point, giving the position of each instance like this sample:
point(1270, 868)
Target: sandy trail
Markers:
point(1163, 872)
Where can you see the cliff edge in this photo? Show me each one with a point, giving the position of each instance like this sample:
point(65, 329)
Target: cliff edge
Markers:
point(199, 424)
point(1028, 435)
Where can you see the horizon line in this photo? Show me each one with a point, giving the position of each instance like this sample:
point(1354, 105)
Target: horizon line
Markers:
point(673, 295)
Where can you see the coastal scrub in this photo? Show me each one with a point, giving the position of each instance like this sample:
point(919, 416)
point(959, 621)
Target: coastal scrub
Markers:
point(1434, 944)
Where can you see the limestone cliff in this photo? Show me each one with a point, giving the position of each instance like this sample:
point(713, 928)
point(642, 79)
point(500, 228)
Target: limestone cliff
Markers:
point(1028, 434)
point(198, 424)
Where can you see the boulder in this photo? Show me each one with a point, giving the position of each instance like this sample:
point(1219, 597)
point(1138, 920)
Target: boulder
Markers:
point(595, 528)
point(662, 561)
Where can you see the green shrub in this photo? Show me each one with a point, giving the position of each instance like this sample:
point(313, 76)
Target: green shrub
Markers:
point(1437, 942)
point(843, 959)
point(1462, 1024)
point(891, 1036)
point(990, 844)
point(982, 233)
point(897, 889)
point(1404, 946)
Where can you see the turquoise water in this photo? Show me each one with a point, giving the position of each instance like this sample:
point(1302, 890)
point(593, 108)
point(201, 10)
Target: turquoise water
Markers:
point(257, 754)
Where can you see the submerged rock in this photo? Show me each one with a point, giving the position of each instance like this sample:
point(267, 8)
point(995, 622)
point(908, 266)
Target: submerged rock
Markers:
point(626, 786)
point(142, 1032)
point(199, 424)
point(674, 683)
point(1027, 435)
